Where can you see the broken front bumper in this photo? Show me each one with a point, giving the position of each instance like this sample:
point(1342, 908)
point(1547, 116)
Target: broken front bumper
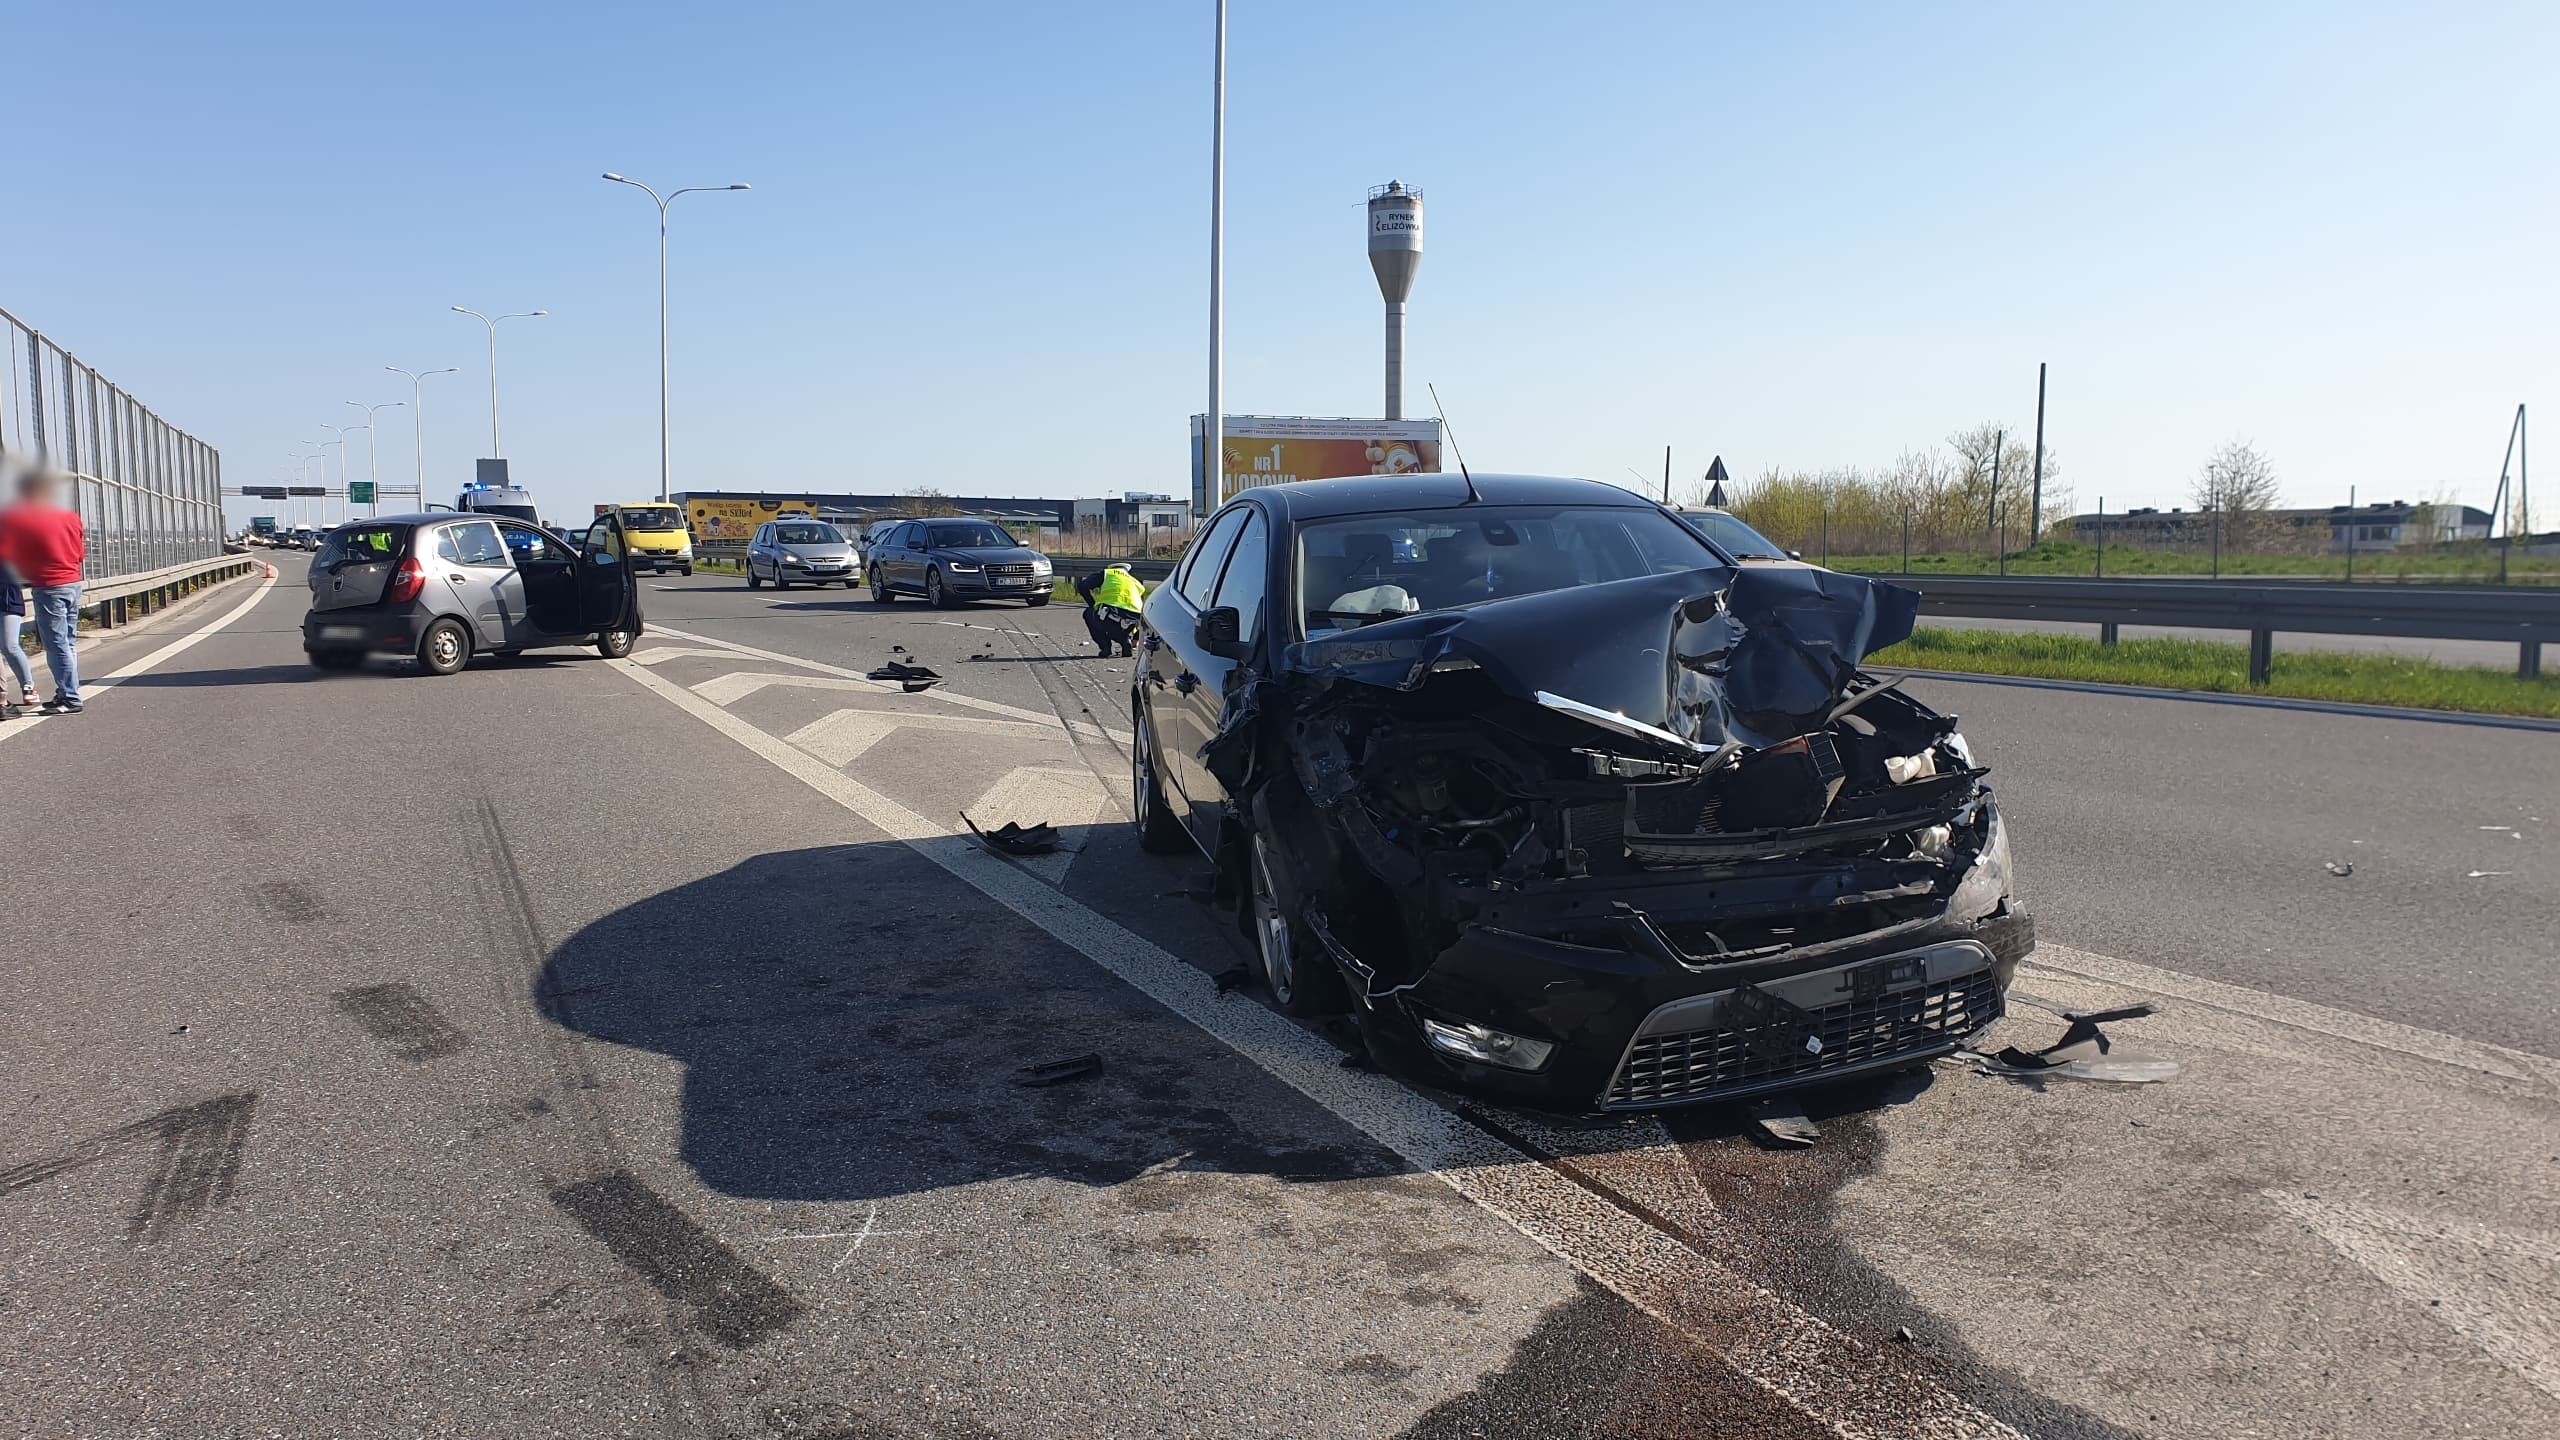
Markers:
point(1634, 1031)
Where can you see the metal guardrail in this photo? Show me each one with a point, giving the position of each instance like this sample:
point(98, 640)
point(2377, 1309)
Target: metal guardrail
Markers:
point(149, 493)
point(2528, 618)
point(116, 601)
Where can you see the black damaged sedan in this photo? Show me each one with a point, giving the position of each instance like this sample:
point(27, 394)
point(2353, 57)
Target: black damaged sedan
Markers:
point(1562, 803)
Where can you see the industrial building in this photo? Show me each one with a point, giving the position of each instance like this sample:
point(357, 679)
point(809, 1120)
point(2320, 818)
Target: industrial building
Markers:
point(724, 517)
point(2382, 525)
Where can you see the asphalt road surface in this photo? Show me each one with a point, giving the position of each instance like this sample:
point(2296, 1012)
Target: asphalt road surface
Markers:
point(574, 1047)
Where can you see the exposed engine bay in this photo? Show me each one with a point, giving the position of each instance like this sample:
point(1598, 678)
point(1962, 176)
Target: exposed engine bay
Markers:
point(1638, 843)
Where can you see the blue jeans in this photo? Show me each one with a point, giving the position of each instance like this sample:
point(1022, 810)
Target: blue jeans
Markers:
point(13, 653)
point(58, 627)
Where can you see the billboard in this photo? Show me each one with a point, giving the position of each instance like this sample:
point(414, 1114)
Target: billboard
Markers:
point(735, 521)
point(1278, 449)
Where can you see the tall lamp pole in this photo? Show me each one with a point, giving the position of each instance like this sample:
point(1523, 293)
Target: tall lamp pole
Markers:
point(373, 452)
point(665, 431)
point(492, 322)
point(344, 454)
point(418, 410)
point(1213, 437)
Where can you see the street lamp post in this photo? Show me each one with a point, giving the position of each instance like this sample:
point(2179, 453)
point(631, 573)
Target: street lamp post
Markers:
point(341, 443)
point(373, 452)
point(492, 322)
point(418, 409)
point(665, 430)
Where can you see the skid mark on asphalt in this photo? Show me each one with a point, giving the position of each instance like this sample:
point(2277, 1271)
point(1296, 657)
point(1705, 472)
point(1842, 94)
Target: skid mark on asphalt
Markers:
point(195, 1166)
point(400, 1017)
point(290, 901)
point(1853, 1388)
point(732, 1301)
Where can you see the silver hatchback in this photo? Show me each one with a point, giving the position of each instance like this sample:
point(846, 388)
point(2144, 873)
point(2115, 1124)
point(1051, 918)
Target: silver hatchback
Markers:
point(797, 551)
point(439, 588)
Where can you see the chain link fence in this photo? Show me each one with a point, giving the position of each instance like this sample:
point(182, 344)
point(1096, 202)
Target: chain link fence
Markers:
point(149, 493)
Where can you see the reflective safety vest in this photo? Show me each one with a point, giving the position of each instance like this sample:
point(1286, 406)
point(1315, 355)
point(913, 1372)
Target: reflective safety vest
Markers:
point(1120, 590)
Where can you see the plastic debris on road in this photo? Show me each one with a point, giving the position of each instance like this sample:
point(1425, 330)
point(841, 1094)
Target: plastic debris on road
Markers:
point(2083, 1053)
point(1014, 839)
point(2341, 867)
point(1057, 1072)
point(1782, 1121)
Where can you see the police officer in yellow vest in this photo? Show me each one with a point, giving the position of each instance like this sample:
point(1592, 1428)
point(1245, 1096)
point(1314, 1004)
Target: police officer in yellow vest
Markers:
point(1113, 600)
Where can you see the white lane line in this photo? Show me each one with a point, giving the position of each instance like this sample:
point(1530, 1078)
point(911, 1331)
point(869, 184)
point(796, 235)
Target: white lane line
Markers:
point(169, 651)
point(2300, 1014)
point(658, 654)
point(940, 693)
point(1856, 1390)
point(737, 685)
point(2488, 1286)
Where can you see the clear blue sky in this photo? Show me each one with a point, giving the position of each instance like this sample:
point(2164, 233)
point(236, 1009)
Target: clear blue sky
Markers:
point(975, 253)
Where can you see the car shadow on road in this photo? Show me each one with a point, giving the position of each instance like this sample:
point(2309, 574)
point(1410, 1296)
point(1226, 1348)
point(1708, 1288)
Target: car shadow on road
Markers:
point(854, 1023)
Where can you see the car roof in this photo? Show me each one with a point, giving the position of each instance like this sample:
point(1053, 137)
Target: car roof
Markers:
point(1301, 500)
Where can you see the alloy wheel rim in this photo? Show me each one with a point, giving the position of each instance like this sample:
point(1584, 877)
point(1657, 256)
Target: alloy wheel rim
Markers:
point(1272, 929)
point(1142, 780)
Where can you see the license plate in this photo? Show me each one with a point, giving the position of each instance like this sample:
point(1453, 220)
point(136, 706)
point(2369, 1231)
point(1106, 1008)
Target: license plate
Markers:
point(341, 632)
point(1017, 580)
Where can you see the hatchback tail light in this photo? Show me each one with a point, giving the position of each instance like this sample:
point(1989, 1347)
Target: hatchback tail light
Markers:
point(407, 581)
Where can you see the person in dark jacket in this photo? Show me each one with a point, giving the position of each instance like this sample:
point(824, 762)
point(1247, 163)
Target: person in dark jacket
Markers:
point(13, 649)
point(1113, 600)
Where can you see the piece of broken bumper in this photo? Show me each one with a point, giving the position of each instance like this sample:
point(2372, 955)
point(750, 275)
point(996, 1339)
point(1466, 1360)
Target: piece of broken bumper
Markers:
point(1645, 1028)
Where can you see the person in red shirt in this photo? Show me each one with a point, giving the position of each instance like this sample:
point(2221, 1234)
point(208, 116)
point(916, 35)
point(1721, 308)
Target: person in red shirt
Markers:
point(47, 546)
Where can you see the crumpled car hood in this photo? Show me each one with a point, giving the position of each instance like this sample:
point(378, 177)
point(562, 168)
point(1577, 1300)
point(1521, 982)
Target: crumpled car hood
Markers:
point(1756, 654)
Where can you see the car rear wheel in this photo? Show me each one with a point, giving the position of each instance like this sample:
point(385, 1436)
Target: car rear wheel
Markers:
point(614, 644)
point(1159, 832)
point(880, 592)
point(445, 648)
point(336, 659)
point(1301, 976)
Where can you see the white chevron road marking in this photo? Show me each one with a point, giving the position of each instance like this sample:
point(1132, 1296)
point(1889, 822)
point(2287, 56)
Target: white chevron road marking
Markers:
point(1072, 800)
point(840, 737)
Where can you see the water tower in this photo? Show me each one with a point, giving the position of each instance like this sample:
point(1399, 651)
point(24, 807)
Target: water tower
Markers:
point(1395, 253)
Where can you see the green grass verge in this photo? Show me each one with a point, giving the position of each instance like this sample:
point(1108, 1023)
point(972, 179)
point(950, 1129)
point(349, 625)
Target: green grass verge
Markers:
point(2173, 664)
point(2058, 558)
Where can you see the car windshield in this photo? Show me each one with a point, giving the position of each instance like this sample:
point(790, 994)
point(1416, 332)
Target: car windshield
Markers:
point(969, 535)
point(1739, 540)
point(807, 534)
point(652, 517)
point(1365, 568)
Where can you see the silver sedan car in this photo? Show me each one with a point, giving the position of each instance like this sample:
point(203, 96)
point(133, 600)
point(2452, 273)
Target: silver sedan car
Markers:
point(793, 551)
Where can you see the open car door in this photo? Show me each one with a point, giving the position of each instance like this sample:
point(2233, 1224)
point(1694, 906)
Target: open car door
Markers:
point(608, 589)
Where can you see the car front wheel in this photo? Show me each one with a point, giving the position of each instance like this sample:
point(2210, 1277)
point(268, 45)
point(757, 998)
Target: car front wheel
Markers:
point(754, 581)
point(614, 644)
point(934, 592)
point(1300, 976)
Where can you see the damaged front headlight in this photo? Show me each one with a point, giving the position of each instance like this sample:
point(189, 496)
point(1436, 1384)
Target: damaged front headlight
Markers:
point(1987, 883)
point(1486, 1046)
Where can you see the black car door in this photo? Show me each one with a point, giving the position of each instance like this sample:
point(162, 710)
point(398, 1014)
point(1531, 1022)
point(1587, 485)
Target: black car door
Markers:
point(1183, 695)
point(608, 590)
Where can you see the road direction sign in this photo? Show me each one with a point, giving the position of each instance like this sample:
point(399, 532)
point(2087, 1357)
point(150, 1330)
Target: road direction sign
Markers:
point(263, 492)
point(359, 492)
point(306, 490)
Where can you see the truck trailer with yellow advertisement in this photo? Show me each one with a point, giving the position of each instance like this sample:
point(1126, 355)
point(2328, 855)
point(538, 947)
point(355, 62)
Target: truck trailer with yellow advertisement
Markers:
point(657, 538)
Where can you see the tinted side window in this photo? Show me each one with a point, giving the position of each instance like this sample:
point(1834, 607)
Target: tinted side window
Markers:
point(475, 542)
point(1200, 570)
point(1248, 573)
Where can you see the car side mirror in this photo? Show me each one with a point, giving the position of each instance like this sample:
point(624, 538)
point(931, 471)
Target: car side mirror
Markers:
point(1221, 633)
point(1795, 554)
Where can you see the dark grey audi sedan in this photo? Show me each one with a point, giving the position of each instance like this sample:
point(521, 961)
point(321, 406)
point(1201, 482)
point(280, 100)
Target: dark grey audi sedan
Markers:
point(948, 561)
